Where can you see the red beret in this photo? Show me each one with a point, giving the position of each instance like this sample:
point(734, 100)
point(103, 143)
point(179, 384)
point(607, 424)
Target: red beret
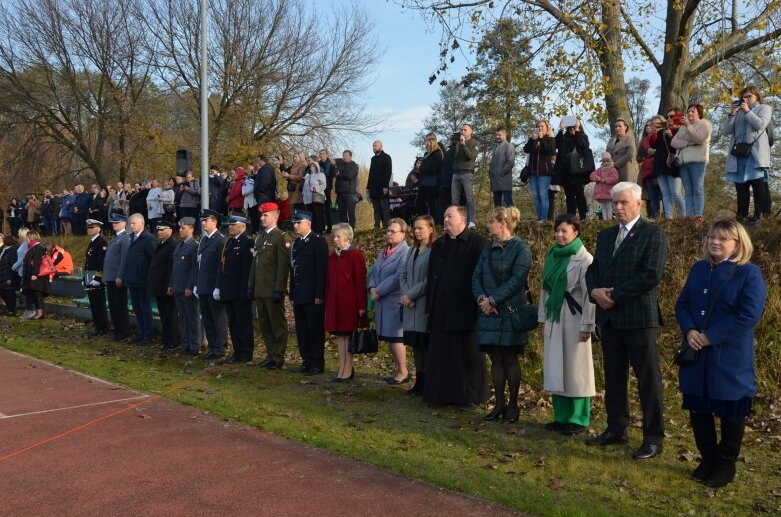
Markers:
point(267, 207)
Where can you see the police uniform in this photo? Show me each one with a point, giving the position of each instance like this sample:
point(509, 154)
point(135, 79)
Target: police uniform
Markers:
point(184, 270)
point(159, 278)
point(112, 265)
point(268, 281)
point(233, 284)
point(309, 258)
point(93, 280)
point(215, 321)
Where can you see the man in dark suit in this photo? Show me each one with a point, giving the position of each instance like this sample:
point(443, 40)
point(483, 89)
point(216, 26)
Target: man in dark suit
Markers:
point(93, 277)
point(378, 184)
point(80, 208)
point(234, 291)
point(268, 283)
point(135, 276)
point(159, 278)
point(628, 265)
point(116, 292)
point(184, 270)
point(215, 321)
point(309, 257)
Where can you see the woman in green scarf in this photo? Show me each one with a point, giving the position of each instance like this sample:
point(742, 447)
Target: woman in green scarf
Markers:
point(568, 316)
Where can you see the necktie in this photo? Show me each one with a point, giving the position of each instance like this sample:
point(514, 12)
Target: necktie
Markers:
point(619, 239)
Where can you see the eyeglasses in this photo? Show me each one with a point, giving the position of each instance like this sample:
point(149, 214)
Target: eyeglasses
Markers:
point(394, 231)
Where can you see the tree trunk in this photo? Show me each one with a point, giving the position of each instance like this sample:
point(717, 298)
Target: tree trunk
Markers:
point(612, 64)
point(675, 67)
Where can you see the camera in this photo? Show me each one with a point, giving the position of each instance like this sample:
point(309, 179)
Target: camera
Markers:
point(677, 118)
point(456, 136)
point(737, 102)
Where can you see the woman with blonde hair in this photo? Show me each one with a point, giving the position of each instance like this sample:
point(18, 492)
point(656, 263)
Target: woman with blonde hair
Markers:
point(541, 148)
point(413, 280)
point(294, 174)
point(499, 283)
point(35, 287)
point(429, 185)
point(717, 311)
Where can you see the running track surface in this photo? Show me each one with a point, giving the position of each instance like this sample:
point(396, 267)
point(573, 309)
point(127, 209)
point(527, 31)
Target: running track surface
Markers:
point(165, 459)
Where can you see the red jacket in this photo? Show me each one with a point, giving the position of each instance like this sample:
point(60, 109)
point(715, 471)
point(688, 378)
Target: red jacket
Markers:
point(345, 291)
point(284, 210)
point(235, 197)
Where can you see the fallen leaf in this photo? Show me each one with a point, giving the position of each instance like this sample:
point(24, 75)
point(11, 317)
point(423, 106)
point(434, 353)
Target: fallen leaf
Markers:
point(687, 456)
point(556, 483)
point(540, 461)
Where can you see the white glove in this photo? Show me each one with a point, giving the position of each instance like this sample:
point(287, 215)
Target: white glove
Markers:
point(195, 291)
point(94, 283)
point(216, 294)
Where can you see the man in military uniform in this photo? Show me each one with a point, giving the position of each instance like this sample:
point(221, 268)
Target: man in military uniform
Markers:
point(183, 274)
point(309, 257)
point(135, 275)
point(233, 288)
point(268, 282)
point(93, 277)
point(215, 321)
point(159, 278)
point(116, 292)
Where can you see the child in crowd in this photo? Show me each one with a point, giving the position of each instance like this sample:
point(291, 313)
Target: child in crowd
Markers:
point(604, 178)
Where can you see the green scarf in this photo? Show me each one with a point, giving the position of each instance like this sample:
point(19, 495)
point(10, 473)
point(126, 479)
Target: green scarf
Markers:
point(554, 277)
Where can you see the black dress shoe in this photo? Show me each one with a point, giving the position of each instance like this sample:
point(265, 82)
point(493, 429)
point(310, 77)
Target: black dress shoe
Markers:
point(555, 426)
point(647, 451)
point(265, 362)
point(606, 438)
point(394, 382)
point(495, 414)
point(573, 430)
point(511, 413)
point(313, 371)
point(272, 365)
point(469, 406)
point(301, 369)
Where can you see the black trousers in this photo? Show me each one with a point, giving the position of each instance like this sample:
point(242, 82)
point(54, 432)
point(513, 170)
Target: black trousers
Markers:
point(636, 347)
point(381, 209)
point(215, 323)
point(166, 309)
point(744, 196)
point(117, 307)
point(97, 306)
point(9, 298)
point(328, 190)
point(254, 217)
point(241, 328)
point(576, 200)
point(310, 331)
point(427, 203)
point(346, 204)
point(318, 216)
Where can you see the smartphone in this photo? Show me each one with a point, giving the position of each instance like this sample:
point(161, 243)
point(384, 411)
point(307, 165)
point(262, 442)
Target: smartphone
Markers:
point(677, 118)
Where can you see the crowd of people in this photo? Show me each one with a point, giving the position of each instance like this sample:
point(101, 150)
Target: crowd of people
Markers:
point(454, 299)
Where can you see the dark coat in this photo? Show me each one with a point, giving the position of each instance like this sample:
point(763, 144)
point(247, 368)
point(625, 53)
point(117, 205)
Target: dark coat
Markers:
point(95, 257)
point(236, 263)
point(431, 170)
point(265, 184)
point(346, 179)
point(565, 144)
point(633, 272)
point(184, 267)
point(724, 370)
point(81, 201)
point(345, 292)
point(160, 268)
point(380, 174)
point(139, 256)
point(115, 257)
point(541, 153)
point(663, 147)
point(449, 284)
point(7, 259)
point(511, 262)
point(217, 193)
point(209, 253)
point(309, 258)
point(32, 264)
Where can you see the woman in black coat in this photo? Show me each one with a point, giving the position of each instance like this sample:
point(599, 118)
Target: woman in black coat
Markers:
point(541, 148)
point(568, 140)
point(429, 184)
point(33, 286)
point(9, 279)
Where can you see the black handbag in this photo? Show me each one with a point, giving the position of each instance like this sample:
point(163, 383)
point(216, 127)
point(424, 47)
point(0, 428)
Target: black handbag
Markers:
point(169, 208)
point(743, 149)
point(686, 355)
point(581, 163)
point(363, 340)
point(526, 173)
point(522, 318)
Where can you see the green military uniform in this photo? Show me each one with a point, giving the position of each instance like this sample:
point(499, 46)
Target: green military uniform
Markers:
point(268, 279)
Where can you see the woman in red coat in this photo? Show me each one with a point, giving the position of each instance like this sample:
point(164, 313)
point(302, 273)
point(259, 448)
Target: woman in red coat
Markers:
point(235, 197)
point(345, 295)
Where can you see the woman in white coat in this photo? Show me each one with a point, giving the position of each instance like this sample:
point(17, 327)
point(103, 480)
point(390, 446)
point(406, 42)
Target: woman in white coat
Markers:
point(568, 318)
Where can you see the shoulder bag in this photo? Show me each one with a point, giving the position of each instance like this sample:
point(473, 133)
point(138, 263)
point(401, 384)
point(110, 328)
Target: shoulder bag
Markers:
point(363, 340)
point(523, 318)
point(686, 355)
point(743, 149)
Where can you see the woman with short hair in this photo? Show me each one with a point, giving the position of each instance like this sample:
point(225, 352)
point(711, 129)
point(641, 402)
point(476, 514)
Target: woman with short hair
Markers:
point(541, 148)
point(499, 283)
point(413, 280)
point(345, 295)
point(35, 287)
point(717, 311)
point(385, 290)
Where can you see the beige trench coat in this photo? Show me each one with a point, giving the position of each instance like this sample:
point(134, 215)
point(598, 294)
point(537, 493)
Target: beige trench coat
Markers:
point(568, 367)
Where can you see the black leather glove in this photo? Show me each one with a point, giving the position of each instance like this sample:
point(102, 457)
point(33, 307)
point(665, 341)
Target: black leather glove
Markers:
point(277, 296)
point(250, 293)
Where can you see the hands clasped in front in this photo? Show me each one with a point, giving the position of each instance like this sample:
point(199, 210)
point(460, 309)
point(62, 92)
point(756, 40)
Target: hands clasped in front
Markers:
point(603, 296)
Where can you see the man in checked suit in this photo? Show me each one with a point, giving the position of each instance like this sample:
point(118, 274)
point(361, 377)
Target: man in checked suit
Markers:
point(628, 265)
point(215, 319)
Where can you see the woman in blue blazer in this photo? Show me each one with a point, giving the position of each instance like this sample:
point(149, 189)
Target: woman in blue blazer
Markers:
point(721, 381)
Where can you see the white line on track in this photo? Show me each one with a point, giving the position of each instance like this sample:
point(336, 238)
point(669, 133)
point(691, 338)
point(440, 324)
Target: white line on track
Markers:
point(3, 417)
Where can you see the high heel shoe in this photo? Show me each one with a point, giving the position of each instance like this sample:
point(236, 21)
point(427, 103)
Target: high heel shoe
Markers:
point(511, 413)
point(37, 316)
point(495, 414)
point(394, 382)
point(345, 379)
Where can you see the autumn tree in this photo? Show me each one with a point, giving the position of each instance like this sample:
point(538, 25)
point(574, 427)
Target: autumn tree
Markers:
point(583, 49)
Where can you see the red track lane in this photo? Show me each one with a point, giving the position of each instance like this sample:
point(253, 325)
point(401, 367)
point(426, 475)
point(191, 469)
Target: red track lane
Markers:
point(165, 459)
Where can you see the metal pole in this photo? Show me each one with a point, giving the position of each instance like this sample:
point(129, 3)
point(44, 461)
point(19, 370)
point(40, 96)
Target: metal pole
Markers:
point(204, 109)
